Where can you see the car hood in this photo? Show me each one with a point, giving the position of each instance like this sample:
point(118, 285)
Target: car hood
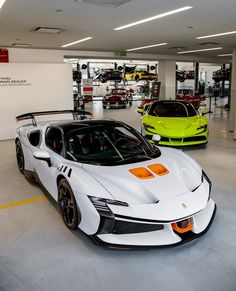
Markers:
point(184, 176)
point(172, 123)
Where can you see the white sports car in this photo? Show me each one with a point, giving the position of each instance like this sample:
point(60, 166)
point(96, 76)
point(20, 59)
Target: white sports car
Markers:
point(114, 185)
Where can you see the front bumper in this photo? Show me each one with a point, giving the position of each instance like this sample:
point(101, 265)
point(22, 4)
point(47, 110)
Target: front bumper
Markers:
point(164, 236)
point(201, 138)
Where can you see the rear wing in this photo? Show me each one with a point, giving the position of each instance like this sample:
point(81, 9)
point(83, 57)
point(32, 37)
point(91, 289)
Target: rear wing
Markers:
point(76, 114)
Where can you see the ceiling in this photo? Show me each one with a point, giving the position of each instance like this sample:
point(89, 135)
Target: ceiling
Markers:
point(80, 20)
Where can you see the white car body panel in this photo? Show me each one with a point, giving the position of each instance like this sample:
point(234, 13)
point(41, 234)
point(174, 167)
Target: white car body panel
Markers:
point(178, 195)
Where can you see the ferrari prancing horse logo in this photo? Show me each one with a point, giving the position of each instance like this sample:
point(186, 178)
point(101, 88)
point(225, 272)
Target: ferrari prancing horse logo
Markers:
point(184, 205)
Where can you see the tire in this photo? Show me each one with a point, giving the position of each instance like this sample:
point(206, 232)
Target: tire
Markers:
point(67, 205)
point(104, 106)
point(20, 157)
point(137, 79)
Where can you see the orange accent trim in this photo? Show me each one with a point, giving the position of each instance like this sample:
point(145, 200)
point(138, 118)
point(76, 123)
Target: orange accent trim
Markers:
point(158, 169)
point(182, 230)
point(141, 173)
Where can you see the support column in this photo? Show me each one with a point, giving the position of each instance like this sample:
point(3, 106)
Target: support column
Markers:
point(167, 77)
point(232, 123)
point(196, 77)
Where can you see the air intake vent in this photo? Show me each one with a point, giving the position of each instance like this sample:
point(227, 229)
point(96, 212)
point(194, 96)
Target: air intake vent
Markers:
point(109, 3)
point(47, 30)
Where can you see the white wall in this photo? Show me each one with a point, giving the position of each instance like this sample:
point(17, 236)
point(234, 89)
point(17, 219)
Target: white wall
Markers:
point(32, 87)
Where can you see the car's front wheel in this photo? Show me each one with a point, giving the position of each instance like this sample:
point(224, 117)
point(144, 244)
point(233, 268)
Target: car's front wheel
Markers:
point(20, 157)
point(67, 204)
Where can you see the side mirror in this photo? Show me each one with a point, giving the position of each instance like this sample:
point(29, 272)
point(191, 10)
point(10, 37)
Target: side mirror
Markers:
point(156, 138)
point(43, 156)
point(204, 112)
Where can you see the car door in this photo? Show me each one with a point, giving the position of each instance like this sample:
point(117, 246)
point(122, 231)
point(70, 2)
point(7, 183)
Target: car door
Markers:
point(54, 145)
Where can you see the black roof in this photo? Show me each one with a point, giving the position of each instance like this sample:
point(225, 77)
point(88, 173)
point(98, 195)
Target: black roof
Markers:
point(67, 126)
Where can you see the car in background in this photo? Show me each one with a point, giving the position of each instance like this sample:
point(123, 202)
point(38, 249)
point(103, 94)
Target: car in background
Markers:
point(176, 122)
point(119, 97)
point(112, 184)
point(221, 75)
point(140, 75)
point(105, 75)
point(194, 99)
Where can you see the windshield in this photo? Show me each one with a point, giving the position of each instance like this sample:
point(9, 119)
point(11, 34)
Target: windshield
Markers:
point(172, 109)
point(111, 144)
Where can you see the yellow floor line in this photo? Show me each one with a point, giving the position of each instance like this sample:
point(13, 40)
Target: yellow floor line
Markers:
point(31, 200)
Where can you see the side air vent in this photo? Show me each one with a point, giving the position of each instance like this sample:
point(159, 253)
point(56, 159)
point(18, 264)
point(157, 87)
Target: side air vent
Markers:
point(109, 3)
point(69, 173)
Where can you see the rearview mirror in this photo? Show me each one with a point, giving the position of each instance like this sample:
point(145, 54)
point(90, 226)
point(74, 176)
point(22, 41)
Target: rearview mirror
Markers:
point(156, 138)
point(204, 112)
point(43, 156)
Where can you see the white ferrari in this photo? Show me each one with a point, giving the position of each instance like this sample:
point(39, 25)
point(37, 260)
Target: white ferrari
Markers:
point(114, 185)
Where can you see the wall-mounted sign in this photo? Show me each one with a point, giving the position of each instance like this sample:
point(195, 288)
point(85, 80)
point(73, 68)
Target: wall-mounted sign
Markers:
point(4, 58)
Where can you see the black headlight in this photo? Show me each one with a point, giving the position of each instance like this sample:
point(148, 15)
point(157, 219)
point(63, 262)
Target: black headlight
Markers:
point(204, 176)
point(203, 127)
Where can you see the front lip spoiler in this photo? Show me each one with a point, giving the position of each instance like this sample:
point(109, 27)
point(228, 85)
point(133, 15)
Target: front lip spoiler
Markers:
point(186, 237)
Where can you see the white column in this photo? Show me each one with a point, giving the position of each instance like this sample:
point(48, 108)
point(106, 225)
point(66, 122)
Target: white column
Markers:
point(167, 75)
point(232, 123)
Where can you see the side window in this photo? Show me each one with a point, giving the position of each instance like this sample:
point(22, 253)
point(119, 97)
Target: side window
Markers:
point(53, 139)
point(35, 138)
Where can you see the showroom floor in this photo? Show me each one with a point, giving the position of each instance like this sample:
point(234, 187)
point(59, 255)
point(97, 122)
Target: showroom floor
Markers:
point(37, 252)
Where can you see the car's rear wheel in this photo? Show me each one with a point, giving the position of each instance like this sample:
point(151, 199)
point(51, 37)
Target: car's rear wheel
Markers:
point(67, 204)
point(20, 157)
point(137, 79)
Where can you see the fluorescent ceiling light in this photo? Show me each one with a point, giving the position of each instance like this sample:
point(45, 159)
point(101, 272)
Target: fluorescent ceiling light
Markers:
point(202, 50)
point(78, 41)
point(154, 17)
point(225, 55)
point(218, 34)
point(1, 3)
point(148, 46)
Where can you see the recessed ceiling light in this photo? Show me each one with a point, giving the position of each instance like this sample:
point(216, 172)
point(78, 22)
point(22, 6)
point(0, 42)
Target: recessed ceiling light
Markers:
point(21, 45)
point(154, 17)
point(109, 3)
point(225, 55)
point(202, 50)
point(1, 3)
point(78, 41)
point(47, 30)
point(214, 35)
point(148, 46)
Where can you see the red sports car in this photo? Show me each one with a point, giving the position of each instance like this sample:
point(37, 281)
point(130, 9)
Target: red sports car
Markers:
point(195, 100)
point(118, 98)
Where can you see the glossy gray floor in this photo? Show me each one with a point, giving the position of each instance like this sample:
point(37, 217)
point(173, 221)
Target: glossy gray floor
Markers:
point(37, 252)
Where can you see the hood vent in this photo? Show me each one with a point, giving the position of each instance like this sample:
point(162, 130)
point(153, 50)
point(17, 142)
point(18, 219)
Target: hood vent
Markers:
point(52, 30)
point(109, 3)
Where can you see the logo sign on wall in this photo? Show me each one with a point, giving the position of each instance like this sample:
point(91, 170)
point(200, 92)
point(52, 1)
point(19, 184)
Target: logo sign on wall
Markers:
point(4, 56)
point(87, 87)
point(6, 81)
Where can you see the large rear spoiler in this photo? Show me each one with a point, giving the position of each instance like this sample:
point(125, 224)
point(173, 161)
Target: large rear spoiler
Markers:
point(77, 115)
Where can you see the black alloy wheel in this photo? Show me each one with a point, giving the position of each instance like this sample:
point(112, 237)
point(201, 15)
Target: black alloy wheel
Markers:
point(67, 204)
point(20, 157)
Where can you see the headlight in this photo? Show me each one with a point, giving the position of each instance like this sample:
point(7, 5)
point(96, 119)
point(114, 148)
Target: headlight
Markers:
point(203, 127)
point(204, 176)
point(101, 203)
point(146, 126)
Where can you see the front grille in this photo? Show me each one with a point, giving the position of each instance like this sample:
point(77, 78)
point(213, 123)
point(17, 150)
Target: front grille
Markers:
point(126, 227)
point(195, 138)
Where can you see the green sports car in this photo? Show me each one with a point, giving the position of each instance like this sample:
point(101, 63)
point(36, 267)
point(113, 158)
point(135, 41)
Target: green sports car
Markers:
point(177, 123)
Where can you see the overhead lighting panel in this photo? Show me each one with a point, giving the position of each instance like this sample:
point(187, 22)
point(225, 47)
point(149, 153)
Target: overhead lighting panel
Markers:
point(77, 41)
point(21, 45)
point(225, 55)
point(1, 3)
point(110, 3)
point(154, 17)
point(217, 34)
point(202, 50)
point(148, 46)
